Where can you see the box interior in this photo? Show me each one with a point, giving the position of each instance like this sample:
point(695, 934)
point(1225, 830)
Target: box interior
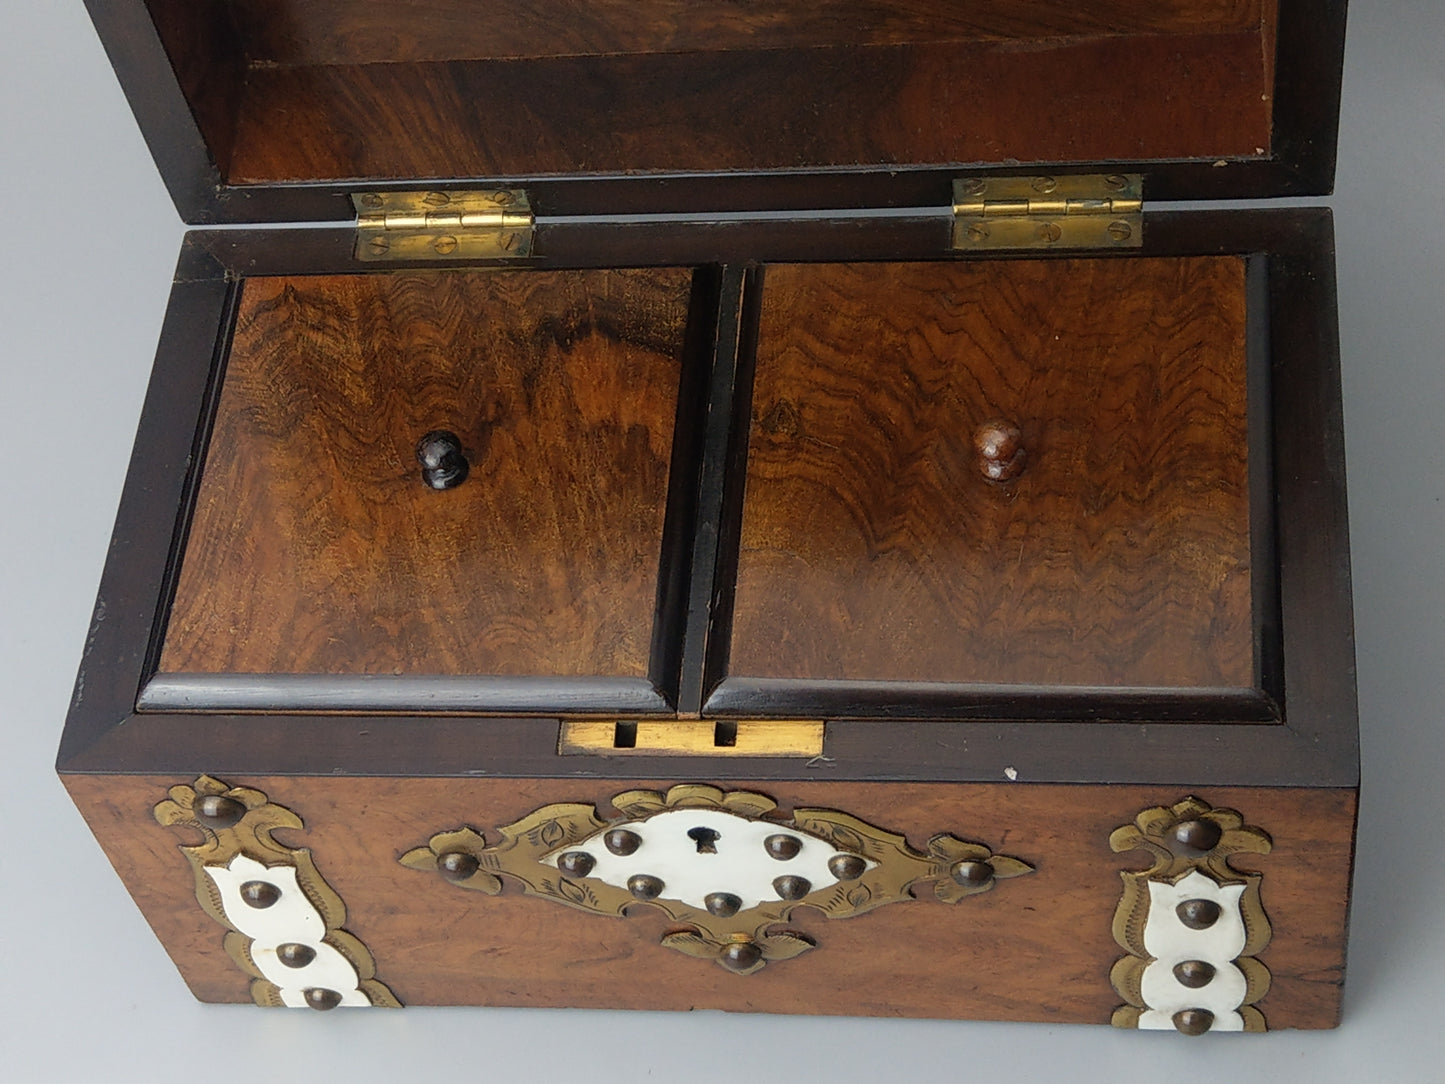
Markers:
point(308, 91)
point(867, 543)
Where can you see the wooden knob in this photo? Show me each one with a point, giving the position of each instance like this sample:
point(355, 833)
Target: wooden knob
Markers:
point(1001, 455)
point(443, 466)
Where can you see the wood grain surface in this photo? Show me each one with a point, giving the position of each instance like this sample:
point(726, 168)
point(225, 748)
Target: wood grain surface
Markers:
point(316, 548)
point(1185, 96)
point(302, 32)
point(1036, 948)
point(873, 548)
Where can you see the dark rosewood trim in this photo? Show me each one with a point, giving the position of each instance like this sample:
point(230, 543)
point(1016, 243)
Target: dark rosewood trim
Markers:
point(675, 579)
point(782, 698)
point(413, 693)
point(1315, 746)
point(716, 439)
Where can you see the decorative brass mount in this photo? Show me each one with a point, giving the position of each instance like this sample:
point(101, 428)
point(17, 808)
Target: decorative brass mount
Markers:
point(569, 854)
point(1192, 924)
point(284, 921)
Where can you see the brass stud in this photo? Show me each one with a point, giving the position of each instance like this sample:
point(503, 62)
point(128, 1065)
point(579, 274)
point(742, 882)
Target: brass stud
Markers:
point(1199, 836)
point(259, 894)
point(1120, 230)
point(622, 842)
point(846, 867)
point(722, 904)
point(218, 811)
point(1194, 974)
point(293, 954)
point(1050, 232)
point(457, 865)
point(644, 886)
point(576, 863)
point(1193, 1021)
point(322, 999)
point(792, 888)
point(971, 873)
point(783, 847)
point(740, 956)
point(1198, 914)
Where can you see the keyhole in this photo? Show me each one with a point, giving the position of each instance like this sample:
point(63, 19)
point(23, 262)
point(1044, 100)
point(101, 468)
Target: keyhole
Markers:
point(705, 838)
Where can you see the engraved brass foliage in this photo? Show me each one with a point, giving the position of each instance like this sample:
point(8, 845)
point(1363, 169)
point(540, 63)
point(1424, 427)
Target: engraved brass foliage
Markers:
point(1187, 839)
point(748, 940)
point(237, 823)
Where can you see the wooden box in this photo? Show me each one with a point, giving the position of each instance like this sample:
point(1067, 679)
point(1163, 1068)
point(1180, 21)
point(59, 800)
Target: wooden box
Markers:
point(739, 509)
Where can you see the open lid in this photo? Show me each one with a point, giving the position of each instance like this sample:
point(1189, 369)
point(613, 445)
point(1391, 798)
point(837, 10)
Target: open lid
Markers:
point(279, 110)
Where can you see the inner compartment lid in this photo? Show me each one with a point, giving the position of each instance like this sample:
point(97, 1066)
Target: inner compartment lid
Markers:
point(279, 109)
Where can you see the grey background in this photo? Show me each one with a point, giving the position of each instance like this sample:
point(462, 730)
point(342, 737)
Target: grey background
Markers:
point(88, 241)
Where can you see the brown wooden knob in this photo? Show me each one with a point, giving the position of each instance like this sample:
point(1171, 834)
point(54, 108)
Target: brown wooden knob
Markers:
point(295, 954)
point(576, 863)
point(1001, 455)
point(457, 865)
point(622, 842)
point(972, 874)
point(792, 888)
point(443, 466)
point(260, 894)
point(783, 847)
point(1195, 974)
point(846, 867)
point(322, 999)
point(740, 955)
point(1198, 914)
point(1196, 836)
point(645, 887)
point(218, 811)
point(722, 904)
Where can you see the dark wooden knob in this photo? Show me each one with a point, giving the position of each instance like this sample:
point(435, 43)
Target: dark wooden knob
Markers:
point(442, 464)
point(1001, 455)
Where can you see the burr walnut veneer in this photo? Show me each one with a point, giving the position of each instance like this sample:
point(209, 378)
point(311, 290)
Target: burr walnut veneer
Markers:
point(753, 585)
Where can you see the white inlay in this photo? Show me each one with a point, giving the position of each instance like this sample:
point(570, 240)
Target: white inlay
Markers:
point(1166, 938)
point(740, 864)
point(292, 919)
point(1171, 942)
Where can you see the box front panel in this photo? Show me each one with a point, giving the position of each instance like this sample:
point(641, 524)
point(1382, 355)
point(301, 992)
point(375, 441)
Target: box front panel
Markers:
point(1040, 944)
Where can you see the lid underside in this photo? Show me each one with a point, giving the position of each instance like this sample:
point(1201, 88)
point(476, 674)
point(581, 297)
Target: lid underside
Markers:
point(257, 109)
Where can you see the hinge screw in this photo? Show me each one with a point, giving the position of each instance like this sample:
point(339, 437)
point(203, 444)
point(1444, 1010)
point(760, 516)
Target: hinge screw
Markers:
point(1050, 232)
point(977, 231)
point(436, 199)
point(379, 246)
point(445, 246)
point(507, 241)
point(371, 199)
point(1116, 182)
point(1044, 185)
point(1120, 231)
point(502, 198)
point(974, 186)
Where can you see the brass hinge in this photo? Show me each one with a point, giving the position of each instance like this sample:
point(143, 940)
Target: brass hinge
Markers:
point(492, 224)
point(1093, 211)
